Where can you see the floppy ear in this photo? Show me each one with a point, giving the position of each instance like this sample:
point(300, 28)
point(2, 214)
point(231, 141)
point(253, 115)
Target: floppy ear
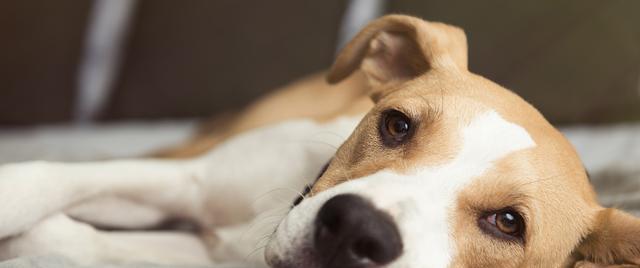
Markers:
point(398, 48)
point(613, 242)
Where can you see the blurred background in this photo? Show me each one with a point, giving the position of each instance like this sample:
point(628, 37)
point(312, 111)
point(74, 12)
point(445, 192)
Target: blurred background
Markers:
point(85, 80)
point(73, 60)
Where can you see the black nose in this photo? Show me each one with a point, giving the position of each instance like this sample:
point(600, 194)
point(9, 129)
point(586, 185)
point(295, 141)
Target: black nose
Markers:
point(351, 233)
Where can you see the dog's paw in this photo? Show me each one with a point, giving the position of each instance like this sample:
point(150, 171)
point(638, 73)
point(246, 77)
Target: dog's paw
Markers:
point(58, 235)
point(22, 178)
point(26, 196)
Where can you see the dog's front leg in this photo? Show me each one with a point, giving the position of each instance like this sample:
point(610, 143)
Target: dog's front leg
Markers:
point(86, 245)
point(32, 191)
point(228, 185)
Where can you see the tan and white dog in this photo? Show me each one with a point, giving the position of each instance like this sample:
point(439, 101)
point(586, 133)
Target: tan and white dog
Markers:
point(443, 168)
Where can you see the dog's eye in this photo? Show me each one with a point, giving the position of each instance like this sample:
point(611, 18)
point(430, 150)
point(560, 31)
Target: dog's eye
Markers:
point(507, 224)
point(307, 188)
point(299, 198)
point(395, 127)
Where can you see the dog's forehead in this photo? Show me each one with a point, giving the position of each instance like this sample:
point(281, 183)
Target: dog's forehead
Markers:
point(449, 110)
point(455, 96)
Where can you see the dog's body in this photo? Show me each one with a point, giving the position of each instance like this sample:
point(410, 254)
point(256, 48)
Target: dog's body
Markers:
point(442, 169)
point(144, 193)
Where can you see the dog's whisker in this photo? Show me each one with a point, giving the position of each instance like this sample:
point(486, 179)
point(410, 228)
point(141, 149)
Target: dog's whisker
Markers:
point(332, 146)
point(272, 191)
point(333, 133)
point(264, 240)
point(254, 252)
point(267, 193)
point(264, 221)
point(538, 180)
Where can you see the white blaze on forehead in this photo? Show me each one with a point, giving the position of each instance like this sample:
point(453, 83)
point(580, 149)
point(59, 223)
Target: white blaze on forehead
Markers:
point(487, 138)
point(421, 200)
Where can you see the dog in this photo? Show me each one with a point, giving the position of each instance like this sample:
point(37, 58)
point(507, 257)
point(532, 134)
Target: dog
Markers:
point(434, 166)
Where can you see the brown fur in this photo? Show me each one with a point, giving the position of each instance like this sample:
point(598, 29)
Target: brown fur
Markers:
point(420, 68)
point(310, 97)
point(426, 78)
point(615, 239)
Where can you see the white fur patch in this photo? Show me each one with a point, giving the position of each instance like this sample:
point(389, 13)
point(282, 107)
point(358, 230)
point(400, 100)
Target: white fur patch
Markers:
point(230, 183)
point(419, 201)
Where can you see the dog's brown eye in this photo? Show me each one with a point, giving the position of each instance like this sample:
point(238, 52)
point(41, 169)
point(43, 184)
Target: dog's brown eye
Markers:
point(395, 127)
point(302, 195)
point(507, 224)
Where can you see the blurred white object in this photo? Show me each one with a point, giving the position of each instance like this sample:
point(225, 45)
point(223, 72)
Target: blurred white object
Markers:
point(611, 154)
point(96, 142)
point(106, 31)
point(606, 148)
point(357, 15)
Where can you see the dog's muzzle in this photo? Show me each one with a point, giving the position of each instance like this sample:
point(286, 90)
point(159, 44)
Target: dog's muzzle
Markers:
point(351, 233)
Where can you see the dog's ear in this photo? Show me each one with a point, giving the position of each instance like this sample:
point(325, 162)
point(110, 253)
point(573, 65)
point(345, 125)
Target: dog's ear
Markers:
point(614, 240)
point(397, 48)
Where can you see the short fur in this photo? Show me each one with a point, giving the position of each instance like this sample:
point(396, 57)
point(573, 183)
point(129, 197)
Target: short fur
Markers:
point(280, 142)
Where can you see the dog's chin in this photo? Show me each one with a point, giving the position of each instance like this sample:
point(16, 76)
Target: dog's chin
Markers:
point(306, 258)
point(301, 258)
point(292, 264)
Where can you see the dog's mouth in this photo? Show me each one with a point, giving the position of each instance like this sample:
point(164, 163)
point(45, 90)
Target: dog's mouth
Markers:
point(308, 258)
point(304, 257)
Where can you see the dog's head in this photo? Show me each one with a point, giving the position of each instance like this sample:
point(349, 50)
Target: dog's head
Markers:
point(447, 170)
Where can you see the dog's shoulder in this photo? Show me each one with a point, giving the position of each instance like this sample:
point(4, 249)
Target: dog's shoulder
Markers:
point(310, 98)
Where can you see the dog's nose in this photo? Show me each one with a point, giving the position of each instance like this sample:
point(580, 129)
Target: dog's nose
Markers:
point(351, 233)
